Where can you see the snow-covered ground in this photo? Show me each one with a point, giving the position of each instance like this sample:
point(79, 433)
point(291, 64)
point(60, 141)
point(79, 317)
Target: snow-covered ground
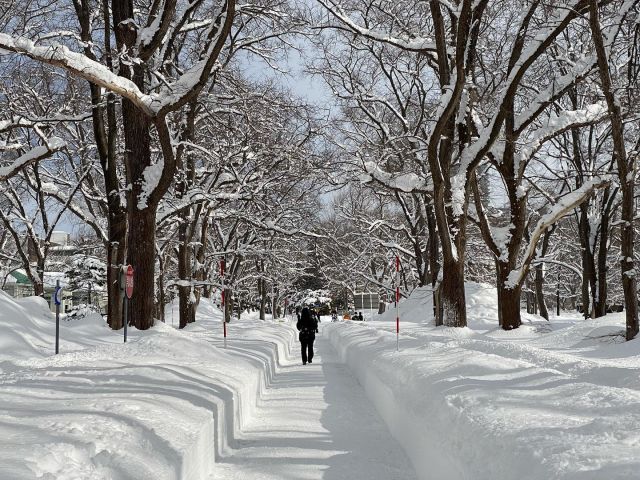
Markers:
point(551, 400)
point(180, 404)
point(105, 410)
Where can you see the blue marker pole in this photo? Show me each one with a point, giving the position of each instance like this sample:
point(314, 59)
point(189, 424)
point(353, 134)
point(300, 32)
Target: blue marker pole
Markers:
point(57, 297)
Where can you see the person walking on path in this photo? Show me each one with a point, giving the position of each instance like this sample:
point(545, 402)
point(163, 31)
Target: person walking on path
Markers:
point(308, 327)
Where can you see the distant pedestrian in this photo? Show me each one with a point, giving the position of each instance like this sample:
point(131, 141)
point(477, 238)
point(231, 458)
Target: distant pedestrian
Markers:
point(298, 312)
point(308, 327)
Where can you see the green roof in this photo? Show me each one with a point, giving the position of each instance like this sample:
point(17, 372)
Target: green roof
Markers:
point(20, 277)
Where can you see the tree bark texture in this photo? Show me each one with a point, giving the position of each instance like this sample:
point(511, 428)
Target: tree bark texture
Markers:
point(453, 295)
point(142, 257)
point(508, 298)
point(626, 170)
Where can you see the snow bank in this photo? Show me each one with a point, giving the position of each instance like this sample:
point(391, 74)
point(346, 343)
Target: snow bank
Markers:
point(23, 335)
point(29, 328)
point(481, 299)
point(552, 400)
point(149, 409)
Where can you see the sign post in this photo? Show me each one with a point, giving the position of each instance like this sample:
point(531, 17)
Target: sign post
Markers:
point(222, 305)
point(57, 298)
point(397, 301)
point(273, 305)
point(126, 285)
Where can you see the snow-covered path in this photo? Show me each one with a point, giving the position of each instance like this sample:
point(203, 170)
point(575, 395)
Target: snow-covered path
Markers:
point(314, 422)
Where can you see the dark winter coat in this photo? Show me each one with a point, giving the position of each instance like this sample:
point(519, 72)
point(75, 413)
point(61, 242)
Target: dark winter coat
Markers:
point(307, 326)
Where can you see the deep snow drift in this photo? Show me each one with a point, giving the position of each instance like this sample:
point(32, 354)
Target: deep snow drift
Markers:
point(550, 400)
point(182, 405)
point(105, 410)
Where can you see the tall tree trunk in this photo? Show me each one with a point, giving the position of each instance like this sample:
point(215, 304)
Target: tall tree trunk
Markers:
point(539, 286)
point(453, 294)
point(141, 211)
point(200, 274)
point(38, 282)
point(588, 261)
point(539, 279)
point(105, 134)
point(141, 253)
point(115, 258)
point(228, 304)
point(433, 250)
point(142, 218)
point(626, 262)
point(508, 298)
point(187, 313)
point(626, 169)
point(421, 266)
point(263, 298)
point(603, 250)
point(451, 231)
point(262, 288)
point(160, 304)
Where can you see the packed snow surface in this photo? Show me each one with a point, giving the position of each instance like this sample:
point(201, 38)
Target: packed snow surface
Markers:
point(550, 400)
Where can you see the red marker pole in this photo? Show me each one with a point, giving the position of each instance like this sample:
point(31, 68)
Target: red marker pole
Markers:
point(224, 313)
point(397, 302)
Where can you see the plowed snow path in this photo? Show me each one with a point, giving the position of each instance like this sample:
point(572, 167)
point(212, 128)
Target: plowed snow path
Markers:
point(315, 422)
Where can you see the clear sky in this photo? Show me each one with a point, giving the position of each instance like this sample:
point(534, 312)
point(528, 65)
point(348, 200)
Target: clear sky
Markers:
point(295, 78)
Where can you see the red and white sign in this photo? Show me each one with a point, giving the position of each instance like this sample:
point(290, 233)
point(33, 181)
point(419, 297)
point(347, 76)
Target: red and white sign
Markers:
point(129, 281)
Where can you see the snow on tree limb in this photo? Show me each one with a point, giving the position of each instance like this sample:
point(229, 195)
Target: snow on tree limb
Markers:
point(557, 88)
point(79, 64)
point(565, 205)
point(404, 182)
point(170, 96)
point(557, 124)
point(415, 44)
point(490, 134)
point(150, 37)
point(175, 95)
point(34, 155)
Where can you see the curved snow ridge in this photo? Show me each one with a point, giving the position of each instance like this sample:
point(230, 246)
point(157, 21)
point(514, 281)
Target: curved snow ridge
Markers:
point(463, 413)
point(163, 406)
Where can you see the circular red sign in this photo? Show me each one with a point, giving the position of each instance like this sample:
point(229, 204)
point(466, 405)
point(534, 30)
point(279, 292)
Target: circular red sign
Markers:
point(129, 281)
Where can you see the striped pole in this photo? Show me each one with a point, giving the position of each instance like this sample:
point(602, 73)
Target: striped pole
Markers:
point(224, 312)
point(397, 302)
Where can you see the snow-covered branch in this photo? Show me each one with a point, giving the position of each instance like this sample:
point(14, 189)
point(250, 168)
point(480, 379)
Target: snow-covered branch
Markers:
point(80, 65)
point(564, 206)
point(32, 156)
point(413, 43)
